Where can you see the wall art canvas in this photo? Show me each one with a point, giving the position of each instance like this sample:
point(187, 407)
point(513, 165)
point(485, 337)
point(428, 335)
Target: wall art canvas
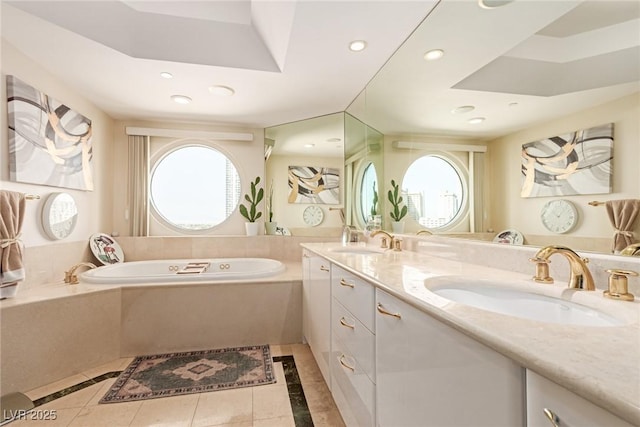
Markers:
point(576, 163)
point(310, 184)
point(49, 143)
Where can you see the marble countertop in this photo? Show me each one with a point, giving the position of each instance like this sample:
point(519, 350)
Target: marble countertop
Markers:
point(601, 364)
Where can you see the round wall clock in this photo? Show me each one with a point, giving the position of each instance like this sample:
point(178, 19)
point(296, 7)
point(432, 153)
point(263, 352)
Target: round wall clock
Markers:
point(312, 215)
point(559, 216)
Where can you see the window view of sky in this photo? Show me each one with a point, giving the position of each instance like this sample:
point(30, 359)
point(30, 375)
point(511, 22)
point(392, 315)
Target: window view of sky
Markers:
point(432, 190)
point(195, 187)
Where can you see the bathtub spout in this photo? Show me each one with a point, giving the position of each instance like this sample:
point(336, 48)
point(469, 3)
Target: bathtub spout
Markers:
point(71, 277)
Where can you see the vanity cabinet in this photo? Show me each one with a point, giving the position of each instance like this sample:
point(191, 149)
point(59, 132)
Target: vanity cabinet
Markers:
point(352, 345)
point(316, 309)
point(547, 402)
point(429, 374)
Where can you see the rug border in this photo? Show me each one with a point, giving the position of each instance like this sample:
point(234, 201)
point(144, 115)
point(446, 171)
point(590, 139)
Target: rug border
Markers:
point(110, 397)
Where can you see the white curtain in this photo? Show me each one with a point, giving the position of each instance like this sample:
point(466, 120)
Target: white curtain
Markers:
point(138, 187)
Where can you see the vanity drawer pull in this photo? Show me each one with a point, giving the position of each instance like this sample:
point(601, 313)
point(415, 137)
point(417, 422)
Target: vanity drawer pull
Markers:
point(341, 360)
point(343, 322)
point(382, 310)
point(555, 421)
point(323, 268)
point(345, 283)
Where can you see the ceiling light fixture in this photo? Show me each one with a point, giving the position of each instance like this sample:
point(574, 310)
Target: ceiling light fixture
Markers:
point(309, 145)
point(180, 99)
point(433, 54)
point(357, 45)
point(513, 104)
point(334, 140)
point(476, 120)
point(492, 4)
point(219, 90)
point(166, 75)
point(463, 109)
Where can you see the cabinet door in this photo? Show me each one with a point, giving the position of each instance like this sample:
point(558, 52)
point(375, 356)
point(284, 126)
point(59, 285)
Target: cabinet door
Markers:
point(547, 400)
point(317, 311)
point(429, 374)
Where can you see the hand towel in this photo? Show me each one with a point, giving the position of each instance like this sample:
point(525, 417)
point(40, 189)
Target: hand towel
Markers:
point(622, 214)
point(12, 206)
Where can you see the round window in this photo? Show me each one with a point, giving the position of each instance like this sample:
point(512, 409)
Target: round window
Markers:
point(434, 191)
point(194, 187)
point(369, 202)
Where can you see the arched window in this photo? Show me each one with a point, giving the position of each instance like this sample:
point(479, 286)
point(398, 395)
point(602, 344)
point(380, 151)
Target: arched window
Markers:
point(193, 188)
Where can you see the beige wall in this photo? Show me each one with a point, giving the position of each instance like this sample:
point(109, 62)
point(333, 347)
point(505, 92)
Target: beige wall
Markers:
point(509, 210)
point(290, 214)
point(247, 156)
point(93, 206)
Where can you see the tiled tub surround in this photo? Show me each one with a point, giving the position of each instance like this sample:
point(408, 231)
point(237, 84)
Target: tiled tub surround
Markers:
point(598, 363)
point(54, 331)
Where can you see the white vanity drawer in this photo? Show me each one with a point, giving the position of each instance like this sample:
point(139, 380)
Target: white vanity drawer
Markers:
point(546, 399)
point(352, 390)
point(355, 294)
point(358, 340)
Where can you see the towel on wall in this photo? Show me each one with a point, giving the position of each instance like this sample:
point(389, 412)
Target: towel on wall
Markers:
point(622, 214)
point(12, 206)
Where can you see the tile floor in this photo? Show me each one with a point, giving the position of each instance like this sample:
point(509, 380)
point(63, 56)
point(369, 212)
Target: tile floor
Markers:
point(261, 406)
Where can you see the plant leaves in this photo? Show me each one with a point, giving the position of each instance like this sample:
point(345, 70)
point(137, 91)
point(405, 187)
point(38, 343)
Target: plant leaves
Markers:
point(403, 212)
point(260, 196)
point(244, 213)
point(246, 197)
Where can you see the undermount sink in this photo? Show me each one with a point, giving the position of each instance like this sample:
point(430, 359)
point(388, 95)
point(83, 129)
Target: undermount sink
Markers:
point(362, 250)
point(504, 299)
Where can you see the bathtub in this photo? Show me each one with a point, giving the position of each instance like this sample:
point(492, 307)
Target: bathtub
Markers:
point(183, 271)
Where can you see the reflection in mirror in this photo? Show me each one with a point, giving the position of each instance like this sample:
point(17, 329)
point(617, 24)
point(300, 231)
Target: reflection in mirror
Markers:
point(433, 191)
point(363, 166)
point(316, 142)
point(545, 69)
point(369, 200)
point(59, 215)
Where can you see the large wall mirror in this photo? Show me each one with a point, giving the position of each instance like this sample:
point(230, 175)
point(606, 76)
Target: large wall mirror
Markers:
point(315, 147)
point(501, 78)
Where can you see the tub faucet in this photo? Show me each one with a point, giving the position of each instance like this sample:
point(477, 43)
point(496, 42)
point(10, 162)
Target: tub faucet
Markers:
point(579, 277)
point(70, 275)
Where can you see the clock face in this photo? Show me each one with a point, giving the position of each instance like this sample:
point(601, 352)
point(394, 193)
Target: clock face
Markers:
point(312, 215)
point(559, 216)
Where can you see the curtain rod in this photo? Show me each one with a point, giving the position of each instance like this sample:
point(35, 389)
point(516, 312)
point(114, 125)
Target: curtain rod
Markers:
point(180, 133)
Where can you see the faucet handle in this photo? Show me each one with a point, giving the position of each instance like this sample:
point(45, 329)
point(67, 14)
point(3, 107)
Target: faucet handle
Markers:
point(618, 285)
point(542, 270)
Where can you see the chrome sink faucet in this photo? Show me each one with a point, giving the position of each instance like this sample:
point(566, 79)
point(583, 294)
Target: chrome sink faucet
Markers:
point(579, 278)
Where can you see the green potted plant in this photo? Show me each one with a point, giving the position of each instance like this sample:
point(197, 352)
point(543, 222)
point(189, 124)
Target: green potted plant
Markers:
point(270, 225)
point(252, 213)
point(398, 211)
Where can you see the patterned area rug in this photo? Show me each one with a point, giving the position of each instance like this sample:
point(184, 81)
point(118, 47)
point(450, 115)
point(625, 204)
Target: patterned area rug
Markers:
point(164, 375)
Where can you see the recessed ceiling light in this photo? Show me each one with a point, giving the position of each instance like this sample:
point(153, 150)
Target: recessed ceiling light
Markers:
point(463, 109)
point(166, 75)
point(492, 4)
point(334, 140)
point(434, 54)
point(357, 45)
point(221, 90)
point(513, 104)
point(181, 99)
point(476, 120)
point(309, 145)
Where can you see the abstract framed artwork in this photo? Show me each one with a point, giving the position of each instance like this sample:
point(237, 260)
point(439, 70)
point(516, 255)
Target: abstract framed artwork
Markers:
point(49, 144)
point(576, 163)
point(310, 184)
